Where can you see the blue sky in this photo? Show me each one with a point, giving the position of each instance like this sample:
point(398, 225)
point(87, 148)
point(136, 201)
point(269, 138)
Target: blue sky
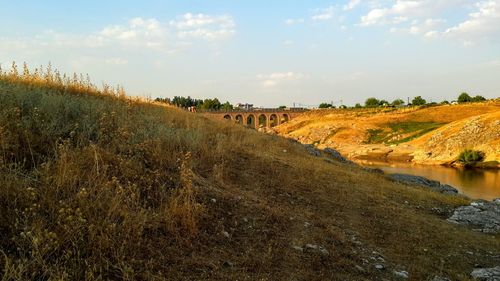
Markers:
point(268, 53)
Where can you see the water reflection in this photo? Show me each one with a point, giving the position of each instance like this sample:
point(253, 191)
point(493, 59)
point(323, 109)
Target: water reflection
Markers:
point(484, 184)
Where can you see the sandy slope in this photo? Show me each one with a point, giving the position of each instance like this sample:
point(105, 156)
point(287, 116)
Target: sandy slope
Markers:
point(348, 131)
point(480, 132)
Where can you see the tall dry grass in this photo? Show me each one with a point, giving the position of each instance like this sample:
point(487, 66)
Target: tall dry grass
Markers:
point(92, 181)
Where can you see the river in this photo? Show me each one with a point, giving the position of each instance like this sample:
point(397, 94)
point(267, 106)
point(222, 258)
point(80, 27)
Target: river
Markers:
point(476, 184)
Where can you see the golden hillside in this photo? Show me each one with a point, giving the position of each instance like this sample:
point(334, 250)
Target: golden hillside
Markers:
point(396, 133)
point(481, 132)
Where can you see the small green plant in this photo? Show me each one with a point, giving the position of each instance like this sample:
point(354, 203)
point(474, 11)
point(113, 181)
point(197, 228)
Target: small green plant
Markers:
point(470, 157)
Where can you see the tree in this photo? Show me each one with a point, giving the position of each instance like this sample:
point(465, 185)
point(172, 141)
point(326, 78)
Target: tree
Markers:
point(211, 104)
point(445, 102)
point(282, 107)
point(383, 103)
point(163, 100)
point(186, 102)
point(478, 98)
point(398, 102)
point(464, 97)
point(418, 100)
point(226, 106)
point(358, 106)
point(325, 105)
point(372, 102)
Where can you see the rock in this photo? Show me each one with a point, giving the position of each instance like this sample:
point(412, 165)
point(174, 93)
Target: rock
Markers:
point(297, 248)
point(486, 274)
point(225, 233)
point(401, 274)
point(213, 200)
point(311, 246)
point(424, 182)
point(359, 268)
point(440, 278)
point(320, 249)
point(227, 264)
point(323, 251)
point(374, 170)
point(482, 215)
point(312, 150)
point(379, 266)
point(336, 155)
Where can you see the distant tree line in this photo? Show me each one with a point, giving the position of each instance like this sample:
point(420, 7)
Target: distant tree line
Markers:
point(464, 97)
point(187, 102)
point(416, 101)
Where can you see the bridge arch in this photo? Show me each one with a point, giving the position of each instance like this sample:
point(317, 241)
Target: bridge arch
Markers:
point(228, 117)
point(273, 120)
point(239, 119)
point(285, 118)
point(251, 121)
point(262, 122)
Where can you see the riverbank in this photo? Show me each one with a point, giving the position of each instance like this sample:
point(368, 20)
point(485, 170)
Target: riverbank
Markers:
point(474, 183)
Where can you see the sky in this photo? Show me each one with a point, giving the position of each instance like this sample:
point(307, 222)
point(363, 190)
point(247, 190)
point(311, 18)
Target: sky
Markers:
point(267, 53)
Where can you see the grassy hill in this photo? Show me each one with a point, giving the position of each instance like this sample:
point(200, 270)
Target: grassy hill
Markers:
point(356, 132)
point(96, 186)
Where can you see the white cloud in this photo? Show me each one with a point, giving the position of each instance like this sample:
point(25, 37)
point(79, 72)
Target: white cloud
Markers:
point(324, 14)
point(136, 35)
point(482, 23)
point(294, 21)
point(351, 5)
point(273, 79)
point(139, 32)
point(116, 61)
point(204, 26)
point(425, 28)
point(425, 18)
point(375, 16)
point(402, 10)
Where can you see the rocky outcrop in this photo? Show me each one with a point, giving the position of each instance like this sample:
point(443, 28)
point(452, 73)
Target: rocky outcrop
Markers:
point(332, 153)
point(486, 274)
point(424, 182)
point(481, 215)
point(312, 150)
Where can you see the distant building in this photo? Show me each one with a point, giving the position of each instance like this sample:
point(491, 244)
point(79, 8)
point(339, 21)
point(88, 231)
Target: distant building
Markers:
point(244, 106)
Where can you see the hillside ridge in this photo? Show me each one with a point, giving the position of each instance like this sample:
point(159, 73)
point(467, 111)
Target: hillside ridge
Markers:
point(101, 187)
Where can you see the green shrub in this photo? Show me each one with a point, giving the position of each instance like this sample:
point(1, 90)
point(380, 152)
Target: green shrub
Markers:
point(470, 156)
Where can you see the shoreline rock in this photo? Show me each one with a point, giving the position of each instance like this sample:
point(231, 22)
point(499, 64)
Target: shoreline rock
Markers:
point(486, 274)
point(481, 215)
point(424, 182)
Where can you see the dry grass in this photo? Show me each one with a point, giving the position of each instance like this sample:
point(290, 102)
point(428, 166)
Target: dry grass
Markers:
point(100, 187)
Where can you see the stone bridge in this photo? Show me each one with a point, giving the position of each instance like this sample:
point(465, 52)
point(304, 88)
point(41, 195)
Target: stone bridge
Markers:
point(258, 118)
